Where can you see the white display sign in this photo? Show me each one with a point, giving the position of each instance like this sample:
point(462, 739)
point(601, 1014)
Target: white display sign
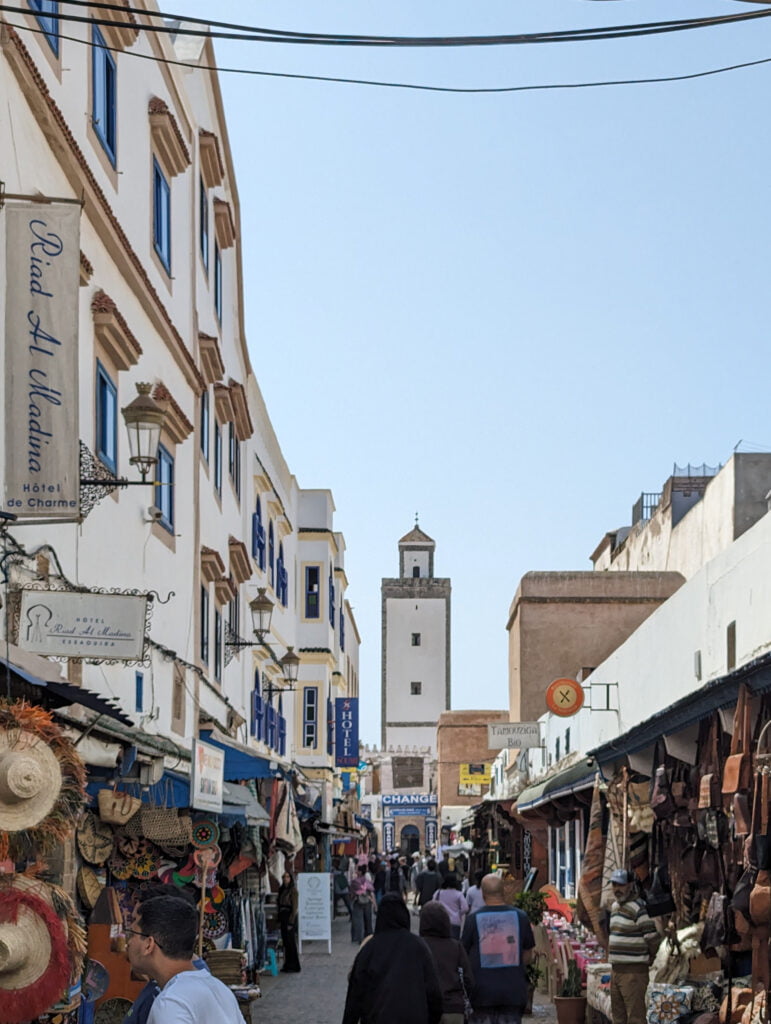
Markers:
point(513, 735)
point(42, 272)
point(314, 901)
point(206, 777)
point(64, 623)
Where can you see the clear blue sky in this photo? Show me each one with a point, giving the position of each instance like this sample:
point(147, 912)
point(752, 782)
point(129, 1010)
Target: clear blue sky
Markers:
point(512, 313)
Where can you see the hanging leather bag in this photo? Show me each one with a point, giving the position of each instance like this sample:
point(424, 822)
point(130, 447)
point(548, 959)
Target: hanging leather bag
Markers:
point(737, 771)
point(709, 787)
point(662, 801)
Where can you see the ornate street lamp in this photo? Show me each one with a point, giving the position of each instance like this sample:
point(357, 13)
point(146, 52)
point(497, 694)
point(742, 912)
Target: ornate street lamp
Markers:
point(144, 419)
point(262, 609)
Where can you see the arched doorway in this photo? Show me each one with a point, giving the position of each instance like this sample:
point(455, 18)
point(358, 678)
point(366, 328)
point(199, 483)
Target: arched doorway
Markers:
point(409, 840)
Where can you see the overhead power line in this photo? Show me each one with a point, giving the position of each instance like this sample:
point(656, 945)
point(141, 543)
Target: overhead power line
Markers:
point(247, 33)
point(411, 85)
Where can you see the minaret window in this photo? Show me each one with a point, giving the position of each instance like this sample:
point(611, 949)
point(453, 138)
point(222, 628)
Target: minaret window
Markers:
point(416, 570)
point(416, 688)
point(416, 639)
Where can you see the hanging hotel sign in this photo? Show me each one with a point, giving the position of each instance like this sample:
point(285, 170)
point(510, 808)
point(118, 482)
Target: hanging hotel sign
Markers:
point(42, 268)
point(513, 735)
point(347, 732)
point(565, 697)
point(68, 624)
point(206, 777)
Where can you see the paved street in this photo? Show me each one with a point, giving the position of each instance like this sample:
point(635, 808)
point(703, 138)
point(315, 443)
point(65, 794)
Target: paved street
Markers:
point(317, 994)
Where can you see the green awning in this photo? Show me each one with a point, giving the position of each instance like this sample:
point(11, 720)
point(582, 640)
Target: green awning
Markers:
point(569, 780)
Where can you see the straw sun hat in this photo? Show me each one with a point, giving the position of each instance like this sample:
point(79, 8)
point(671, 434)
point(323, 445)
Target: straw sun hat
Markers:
point(34, 958)
point(42, 781)
point(30, 780)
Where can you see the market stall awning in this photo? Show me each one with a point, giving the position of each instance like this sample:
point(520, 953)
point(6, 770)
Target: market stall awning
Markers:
point(240, 801)
point(241, 762)
point(576, 777)
point(714, 695)
point(42, 673)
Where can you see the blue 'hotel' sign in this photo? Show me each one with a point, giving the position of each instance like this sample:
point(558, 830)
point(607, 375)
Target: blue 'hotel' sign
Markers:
point(347, 732)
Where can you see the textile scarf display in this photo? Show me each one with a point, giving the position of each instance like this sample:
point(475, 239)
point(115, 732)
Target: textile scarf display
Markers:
point(615, 852)
point(590, 883)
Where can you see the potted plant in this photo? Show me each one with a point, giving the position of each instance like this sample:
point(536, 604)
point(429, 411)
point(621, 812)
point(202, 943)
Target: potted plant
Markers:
point(570, 1004)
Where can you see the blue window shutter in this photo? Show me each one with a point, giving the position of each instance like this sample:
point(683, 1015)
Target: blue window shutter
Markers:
point(255, 535)
point(281, 735)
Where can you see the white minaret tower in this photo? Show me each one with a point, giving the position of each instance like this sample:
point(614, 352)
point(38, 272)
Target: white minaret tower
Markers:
point(416, 647)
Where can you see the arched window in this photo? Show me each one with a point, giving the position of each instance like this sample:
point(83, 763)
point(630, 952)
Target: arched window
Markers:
point(258, 536)
point(282, 578)
point(271, 557)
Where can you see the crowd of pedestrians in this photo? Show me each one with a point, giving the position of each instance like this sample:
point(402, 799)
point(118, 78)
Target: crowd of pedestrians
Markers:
point(468, 962)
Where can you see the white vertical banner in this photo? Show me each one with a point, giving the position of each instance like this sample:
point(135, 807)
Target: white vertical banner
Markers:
point(314, 908)
point(42, 274)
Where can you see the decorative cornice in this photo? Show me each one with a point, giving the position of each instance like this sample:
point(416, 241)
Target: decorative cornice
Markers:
point(224, 590)
point(176, 424)
point(211, 358)
point(223, 403)
point(112, 333)
point(240, 563)
point(125, 30)
point(224, 225)
point(86, 270)
point(212, 168)
point(167, 138)
point(212, 566)
point(241, 418)
point(48, 114)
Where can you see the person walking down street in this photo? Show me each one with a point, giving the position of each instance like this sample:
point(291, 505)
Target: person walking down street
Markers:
point(160, 945)
point(362, 904)
point(499, 941)
point(631, 948)
point(427, 882)
point(394, 879)
point(287, 919)
point(340, 887)
point(393, 978)
point(444, 867)
point(474, 896)
point(454, 902)
point(450, 959)
point(414, 872)
point(379, 881)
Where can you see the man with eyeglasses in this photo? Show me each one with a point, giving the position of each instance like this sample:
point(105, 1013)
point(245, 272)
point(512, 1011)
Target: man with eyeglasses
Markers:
point(160, 945)
point(143, 1003)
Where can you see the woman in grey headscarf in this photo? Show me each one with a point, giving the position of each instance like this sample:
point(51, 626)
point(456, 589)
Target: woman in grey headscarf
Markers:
point(393, 977)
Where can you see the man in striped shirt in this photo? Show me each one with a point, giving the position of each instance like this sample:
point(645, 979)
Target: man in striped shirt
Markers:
point(632, 946)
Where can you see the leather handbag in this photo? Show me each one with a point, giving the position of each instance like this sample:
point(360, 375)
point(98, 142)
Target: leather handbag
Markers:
point(737, 771)
point(740, 805)
point(716, 932)
point(760, 899)
point(709, 791)
point(662, 801)
point(658, 899)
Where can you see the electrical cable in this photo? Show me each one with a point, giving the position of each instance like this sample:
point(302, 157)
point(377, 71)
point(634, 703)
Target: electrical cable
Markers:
point(409, 85)
point(250, 34)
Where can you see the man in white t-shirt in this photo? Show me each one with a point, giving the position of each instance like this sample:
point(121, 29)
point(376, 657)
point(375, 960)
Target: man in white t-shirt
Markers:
point(160, 945)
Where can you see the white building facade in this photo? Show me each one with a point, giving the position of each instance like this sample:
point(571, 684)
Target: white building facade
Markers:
point(161, 301)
